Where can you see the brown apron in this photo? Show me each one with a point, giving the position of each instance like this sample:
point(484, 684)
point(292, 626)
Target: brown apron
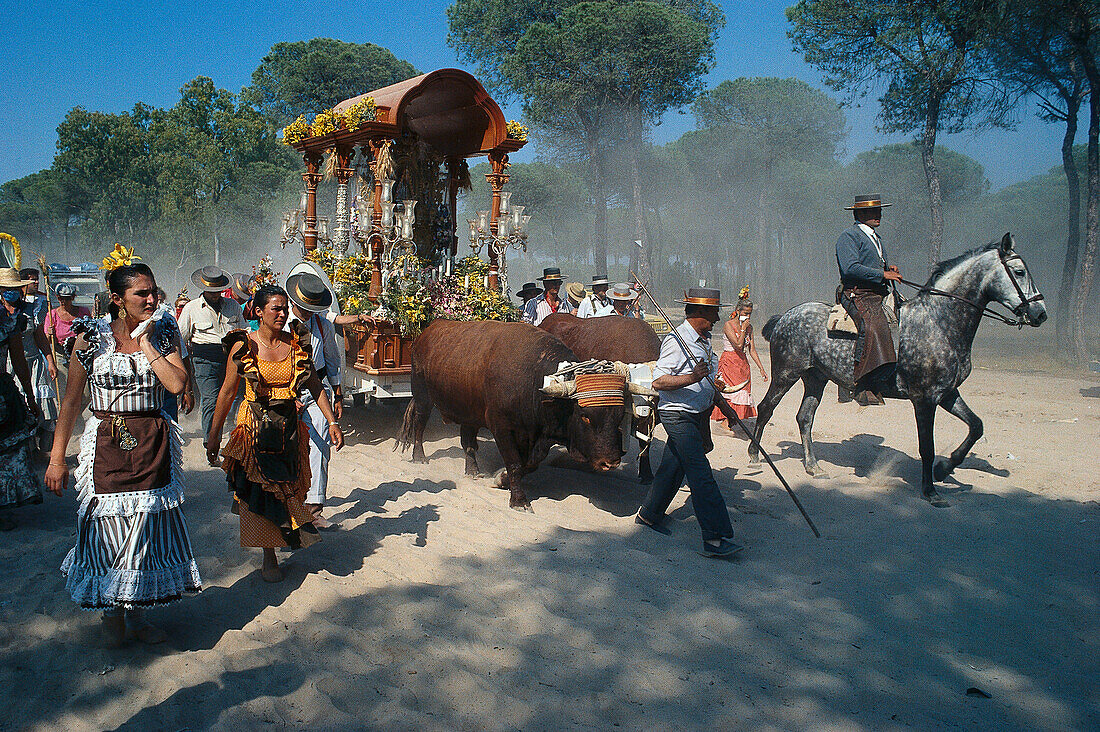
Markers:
point(132, 452)
point(877, 342)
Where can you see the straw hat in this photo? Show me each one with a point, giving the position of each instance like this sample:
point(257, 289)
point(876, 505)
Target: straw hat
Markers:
point(621, 291)
point(9, 278)
point(576, 291)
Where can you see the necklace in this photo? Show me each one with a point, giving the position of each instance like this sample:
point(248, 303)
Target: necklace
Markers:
point(261, 340)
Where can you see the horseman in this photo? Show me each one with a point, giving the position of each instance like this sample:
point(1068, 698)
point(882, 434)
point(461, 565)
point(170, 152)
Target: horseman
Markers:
point(864, 281)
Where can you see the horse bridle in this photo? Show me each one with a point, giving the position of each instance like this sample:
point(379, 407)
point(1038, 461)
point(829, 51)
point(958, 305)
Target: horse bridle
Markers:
point(1020, 311)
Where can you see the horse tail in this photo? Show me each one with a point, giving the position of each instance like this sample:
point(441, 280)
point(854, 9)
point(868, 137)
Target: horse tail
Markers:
point(769, 327)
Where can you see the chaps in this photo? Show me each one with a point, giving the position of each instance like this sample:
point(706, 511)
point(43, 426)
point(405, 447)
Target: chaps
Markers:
point(878, 343)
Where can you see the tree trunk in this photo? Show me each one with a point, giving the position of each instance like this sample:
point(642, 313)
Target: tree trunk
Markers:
point(217, 244)
point(1073, 228)
point(1083, 286)
point(638, 254)
point(599, 195)
point(932, 176)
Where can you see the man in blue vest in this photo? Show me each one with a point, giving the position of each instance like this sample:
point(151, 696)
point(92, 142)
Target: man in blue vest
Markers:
point(864, 280)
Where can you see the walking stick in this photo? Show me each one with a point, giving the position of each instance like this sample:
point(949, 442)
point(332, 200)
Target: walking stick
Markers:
point(725, 408)
point(49, 308)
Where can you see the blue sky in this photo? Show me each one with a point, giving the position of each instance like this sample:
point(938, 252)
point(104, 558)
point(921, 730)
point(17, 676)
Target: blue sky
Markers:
point(108, 56)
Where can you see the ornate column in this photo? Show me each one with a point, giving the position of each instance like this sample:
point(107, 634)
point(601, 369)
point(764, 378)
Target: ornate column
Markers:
point(498, 159)
point(312, 178)
point(375, 241)
point(343, 173)
point(453, 166)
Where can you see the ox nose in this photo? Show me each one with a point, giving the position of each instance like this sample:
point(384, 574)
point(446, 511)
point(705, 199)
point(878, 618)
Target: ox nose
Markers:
point(605, 465)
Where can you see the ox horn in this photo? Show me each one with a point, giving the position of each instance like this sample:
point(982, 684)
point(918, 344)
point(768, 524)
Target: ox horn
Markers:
point(640, 390)
point(560, 388)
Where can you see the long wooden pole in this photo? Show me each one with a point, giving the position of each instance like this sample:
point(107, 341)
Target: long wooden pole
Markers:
point(725, 408)
point(49, 308)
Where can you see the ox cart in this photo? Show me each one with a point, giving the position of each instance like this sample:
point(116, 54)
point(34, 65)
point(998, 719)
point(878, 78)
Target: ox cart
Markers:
point(388, 150)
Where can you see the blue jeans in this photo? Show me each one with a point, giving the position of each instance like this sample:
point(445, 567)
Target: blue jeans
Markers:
point(685, 456)
point(209, 365)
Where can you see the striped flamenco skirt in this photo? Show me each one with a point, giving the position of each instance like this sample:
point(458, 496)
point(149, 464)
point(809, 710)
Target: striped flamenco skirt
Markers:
point(733, 367)
point(132, 547)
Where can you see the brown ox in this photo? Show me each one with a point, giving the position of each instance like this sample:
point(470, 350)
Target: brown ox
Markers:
point(490, 374)
point(612, 338)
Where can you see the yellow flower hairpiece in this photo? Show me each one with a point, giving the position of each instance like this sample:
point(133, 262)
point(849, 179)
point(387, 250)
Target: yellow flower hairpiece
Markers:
point(120, 256)
point(744, 294)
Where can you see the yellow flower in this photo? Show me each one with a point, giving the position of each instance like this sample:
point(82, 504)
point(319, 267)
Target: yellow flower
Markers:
point(297, 131)
point(359, 113)
point(120, 256)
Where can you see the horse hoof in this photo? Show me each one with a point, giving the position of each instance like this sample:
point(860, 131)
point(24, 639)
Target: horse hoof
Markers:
point(754, 461)
point(815, 472)
point(940, 470)
point(936, 500)
point(524, 507)
point(419, 460)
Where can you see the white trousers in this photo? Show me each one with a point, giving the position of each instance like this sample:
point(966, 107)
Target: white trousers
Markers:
point(319, 450)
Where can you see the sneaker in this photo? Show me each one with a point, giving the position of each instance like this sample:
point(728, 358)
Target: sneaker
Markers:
point(725, 548)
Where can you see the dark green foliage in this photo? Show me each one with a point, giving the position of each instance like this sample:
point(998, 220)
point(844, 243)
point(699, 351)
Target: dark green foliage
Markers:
point(307, 77)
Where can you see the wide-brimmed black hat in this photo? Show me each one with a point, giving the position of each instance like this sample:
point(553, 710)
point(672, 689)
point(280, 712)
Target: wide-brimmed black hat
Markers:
point(600, 280)
point(243, 285)
point(529, 289)
point(708, 296)
point(210, 279)
point(550, 274)
point(873, 200)
point(308, 291)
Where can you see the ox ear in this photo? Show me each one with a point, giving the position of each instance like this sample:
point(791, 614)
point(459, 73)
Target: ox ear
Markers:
point(1007, 243)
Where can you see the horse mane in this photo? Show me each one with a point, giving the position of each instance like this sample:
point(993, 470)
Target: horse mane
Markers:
point(949, 264)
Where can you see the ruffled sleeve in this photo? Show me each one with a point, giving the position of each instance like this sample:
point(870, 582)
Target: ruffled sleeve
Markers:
point(303, 361)
point(92, 329)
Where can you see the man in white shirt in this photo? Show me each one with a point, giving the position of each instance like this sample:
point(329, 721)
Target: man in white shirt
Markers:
point(686, 399)
point(538, 308)
point(204, 322)
point(309, 298)
point(597, 304)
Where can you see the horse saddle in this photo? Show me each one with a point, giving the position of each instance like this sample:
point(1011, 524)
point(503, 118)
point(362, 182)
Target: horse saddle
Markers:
point(840, 323)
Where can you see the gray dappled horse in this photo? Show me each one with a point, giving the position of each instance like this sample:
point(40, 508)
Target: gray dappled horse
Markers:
point(936, 332)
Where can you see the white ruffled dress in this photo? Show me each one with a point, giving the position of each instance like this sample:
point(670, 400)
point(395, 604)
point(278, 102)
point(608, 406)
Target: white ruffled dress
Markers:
point(132, 548)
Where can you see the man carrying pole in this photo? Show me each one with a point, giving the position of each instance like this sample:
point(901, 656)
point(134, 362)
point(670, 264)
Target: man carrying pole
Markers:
point(686, 397)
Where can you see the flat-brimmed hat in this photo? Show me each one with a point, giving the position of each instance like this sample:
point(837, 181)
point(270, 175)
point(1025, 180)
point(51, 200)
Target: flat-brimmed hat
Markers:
point(242, 285)
point(708, 296)
point(529, 289)
point(551, 274)
point(599, 280)
point(308, 291)
point(872, 201)
point(621, 291)
point(65, 290)
point(9, 278)
point(210, 279)
point(576, 291)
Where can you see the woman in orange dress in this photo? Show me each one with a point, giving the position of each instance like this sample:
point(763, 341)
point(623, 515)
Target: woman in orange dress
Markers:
point(733, 366)
point(267, 456)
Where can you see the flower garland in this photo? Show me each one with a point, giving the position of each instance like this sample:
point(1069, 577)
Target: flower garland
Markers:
point(350, 277)
point(16, 252)
point(297, 131)
point(517, 131)
point(120, 256)
point(325, 123)
point(359, 113)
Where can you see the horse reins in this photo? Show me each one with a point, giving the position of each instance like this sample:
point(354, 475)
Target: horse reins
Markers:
point(1020, 321)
